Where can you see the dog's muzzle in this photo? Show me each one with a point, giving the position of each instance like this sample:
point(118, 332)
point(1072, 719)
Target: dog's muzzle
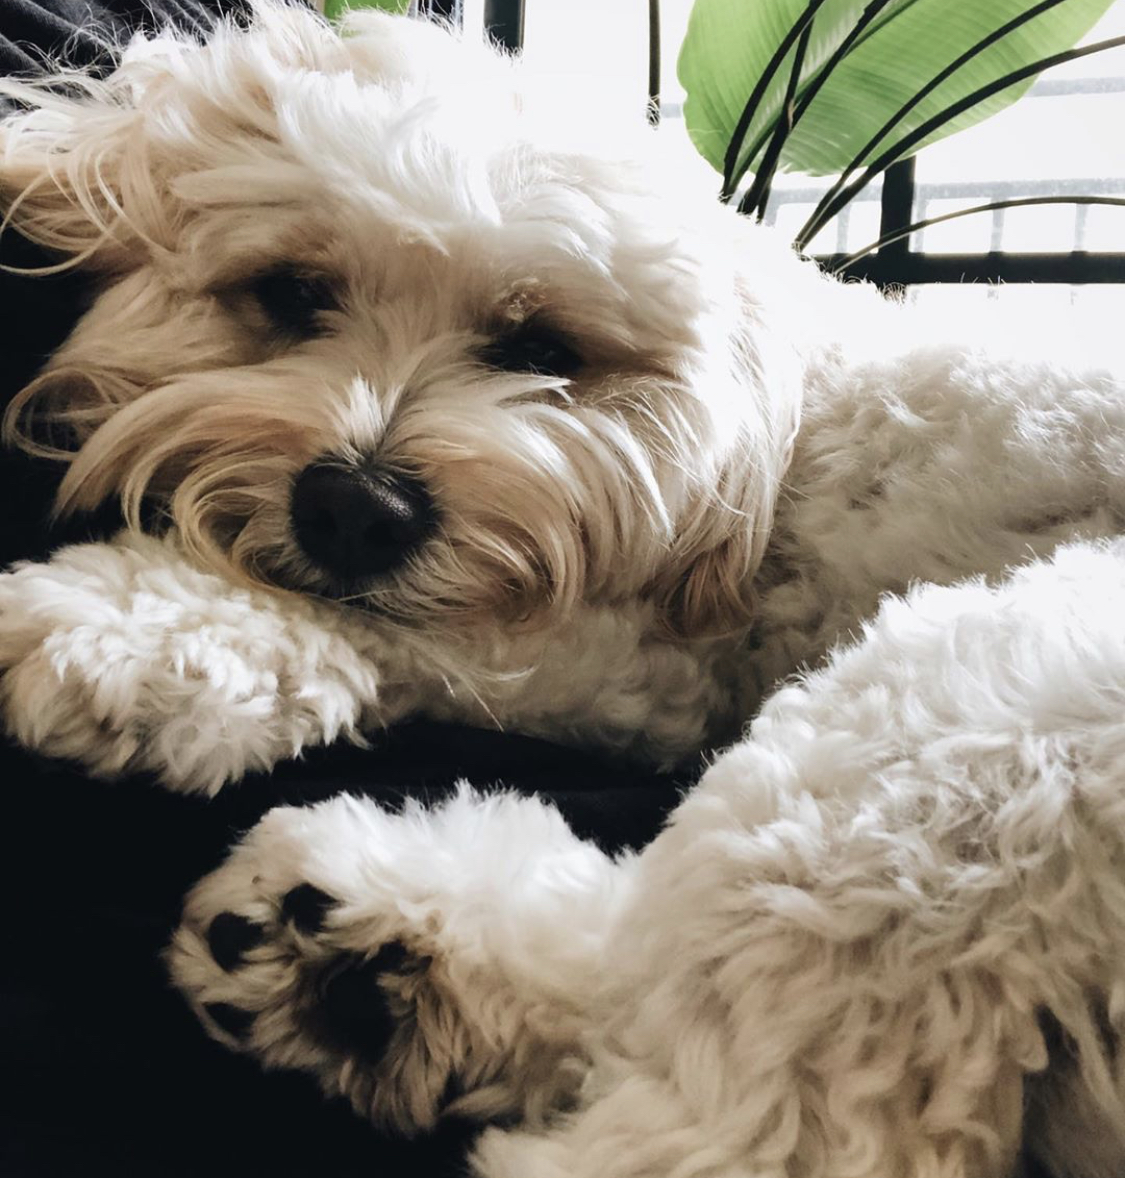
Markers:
point(355, 522)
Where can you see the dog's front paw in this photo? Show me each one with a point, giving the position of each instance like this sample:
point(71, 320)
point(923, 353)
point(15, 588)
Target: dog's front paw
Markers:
point(125, 657)
point(297, 952)
point(384, 953)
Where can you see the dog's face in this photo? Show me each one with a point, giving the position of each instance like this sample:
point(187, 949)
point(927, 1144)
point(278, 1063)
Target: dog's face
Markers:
point(375, 326)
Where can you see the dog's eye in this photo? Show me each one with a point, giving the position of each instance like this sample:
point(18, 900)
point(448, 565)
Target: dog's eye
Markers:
point(533, 348)
point(293, 300)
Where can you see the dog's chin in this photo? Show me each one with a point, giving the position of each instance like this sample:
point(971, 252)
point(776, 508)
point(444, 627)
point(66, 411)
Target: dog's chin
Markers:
point(372, 595)
point(287, 570)
point(423, 591)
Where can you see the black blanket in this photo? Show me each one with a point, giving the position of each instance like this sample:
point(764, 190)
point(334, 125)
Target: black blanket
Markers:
point(105, 1069)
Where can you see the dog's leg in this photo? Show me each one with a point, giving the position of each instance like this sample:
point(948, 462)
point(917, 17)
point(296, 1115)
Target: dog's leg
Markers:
point(890, 922)
point(646, 1124)
point(422, 964)
point(124, 657)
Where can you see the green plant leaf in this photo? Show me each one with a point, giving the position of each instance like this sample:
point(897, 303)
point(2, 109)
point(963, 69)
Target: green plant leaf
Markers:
point(729, 42)
point(334, 9)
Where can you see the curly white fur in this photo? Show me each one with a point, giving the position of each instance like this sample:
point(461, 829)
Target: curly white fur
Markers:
point(885, 935)
point(863, 935)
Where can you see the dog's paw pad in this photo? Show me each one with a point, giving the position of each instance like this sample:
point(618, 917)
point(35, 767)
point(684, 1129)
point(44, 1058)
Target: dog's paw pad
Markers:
point(232, 1020)
point(354, 1011)
point(305, 907)
point(230, 937)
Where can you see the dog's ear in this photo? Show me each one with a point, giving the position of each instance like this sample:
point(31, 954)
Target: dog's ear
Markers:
point(706, 585)
point(61, 174)
point(89, 165)
point(91, 168)
point(709, 593)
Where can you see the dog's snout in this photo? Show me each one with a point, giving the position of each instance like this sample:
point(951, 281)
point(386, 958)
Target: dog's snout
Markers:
point(358, 521)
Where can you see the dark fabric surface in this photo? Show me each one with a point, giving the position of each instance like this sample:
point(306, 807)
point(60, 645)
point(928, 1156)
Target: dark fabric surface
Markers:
point(79, 32)
point(104, 1069)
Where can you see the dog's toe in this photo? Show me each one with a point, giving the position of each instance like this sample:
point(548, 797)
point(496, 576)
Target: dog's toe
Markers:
point(306, 907)
point(288, 964)
point(230, 937)
point(354, 1011)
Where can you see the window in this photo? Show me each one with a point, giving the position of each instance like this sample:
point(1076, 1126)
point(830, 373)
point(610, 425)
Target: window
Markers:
point(1063, 138)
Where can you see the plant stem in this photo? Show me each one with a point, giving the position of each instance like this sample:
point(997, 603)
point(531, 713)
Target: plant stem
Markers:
point(758, 195)
point(829, 205)
point(731, 173)
point(842, 50)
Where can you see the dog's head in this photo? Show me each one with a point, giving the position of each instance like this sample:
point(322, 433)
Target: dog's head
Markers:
point(374, 324)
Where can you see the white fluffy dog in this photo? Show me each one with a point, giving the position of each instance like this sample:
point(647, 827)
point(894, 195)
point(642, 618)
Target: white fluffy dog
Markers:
point(454, 406)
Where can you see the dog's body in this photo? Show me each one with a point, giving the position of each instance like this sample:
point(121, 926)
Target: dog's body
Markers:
point(622, 463)
point(927, 462)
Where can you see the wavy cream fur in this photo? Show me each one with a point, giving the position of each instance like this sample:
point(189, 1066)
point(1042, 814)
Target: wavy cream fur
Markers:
point(887, 923)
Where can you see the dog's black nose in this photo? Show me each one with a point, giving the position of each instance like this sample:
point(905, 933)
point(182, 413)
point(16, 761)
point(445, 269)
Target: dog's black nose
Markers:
point(358, 521)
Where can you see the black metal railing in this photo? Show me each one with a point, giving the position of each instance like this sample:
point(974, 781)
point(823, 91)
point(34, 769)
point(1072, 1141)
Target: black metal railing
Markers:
point(503, 19)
